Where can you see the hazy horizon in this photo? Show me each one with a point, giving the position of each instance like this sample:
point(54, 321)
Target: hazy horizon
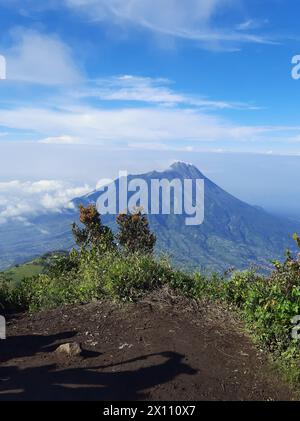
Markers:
point(271, 182)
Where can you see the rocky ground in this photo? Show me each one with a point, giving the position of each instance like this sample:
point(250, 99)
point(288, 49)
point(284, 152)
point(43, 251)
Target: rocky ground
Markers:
point(162, 348)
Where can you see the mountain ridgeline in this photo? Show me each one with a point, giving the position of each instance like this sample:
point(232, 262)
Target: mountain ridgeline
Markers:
point(233, 234)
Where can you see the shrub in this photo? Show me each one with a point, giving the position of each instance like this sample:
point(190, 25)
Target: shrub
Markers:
point(114, 275)
point(268, 303)
point(6, 294)
point(128, 278)
point(63, 263)
point(46, 292)
point(134, 233)
point(93, 233)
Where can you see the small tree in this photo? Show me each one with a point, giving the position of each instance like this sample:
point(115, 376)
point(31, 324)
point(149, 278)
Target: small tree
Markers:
point(134, 233)
point(94, 233)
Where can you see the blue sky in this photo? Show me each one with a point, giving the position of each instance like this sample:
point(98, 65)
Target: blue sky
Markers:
point(141, 78)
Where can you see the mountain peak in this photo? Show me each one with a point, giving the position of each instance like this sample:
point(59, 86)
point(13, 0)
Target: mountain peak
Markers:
point(186, 169)
point(181, 164)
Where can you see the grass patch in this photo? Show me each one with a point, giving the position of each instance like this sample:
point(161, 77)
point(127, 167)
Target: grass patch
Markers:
point(27, 270)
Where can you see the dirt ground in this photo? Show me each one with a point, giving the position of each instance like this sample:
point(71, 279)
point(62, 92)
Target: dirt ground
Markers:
point(158, 349)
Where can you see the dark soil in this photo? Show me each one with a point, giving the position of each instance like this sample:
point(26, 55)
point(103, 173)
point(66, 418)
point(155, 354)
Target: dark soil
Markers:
point(160, 349)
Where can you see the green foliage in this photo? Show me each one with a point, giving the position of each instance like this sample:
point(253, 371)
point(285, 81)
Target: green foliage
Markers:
point(128, 278)
point(63, 263)
point(297, 239)
point(114, 275)
point(195, 286)
point(46, 292)
point(134, 233)
point(6, 299)
point(268, 304)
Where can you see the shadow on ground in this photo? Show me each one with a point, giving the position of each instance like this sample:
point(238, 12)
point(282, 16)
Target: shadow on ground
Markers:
point(28, 345)
point(51, 382)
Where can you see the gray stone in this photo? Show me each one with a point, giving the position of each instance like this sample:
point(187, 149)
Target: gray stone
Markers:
point(71, 349)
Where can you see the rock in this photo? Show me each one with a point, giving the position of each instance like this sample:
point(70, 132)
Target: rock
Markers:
point(125, 345)
point(71, 349)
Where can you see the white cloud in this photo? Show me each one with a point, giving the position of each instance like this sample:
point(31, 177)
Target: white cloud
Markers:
point(20, 200)
point(251, 24)
point(196, 20)
point(60, 140)
point(152, 91)
point(131, 124)
point(193, 20)
point(171, 11)
point(123, 126)
point(40, 59)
